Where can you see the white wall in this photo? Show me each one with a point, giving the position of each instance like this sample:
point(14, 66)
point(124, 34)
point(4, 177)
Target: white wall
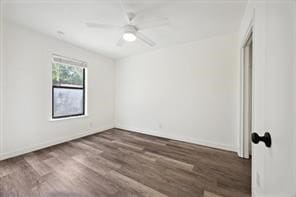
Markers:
point(27, 92)
point(188, 92)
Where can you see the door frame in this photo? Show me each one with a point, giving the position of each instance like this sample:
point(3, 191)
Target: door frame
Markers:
point(242, 137)
point(1, 79)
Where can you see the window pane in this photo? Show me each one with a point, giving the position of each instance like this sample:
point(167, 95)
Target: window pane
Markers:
point(67, 102)
point(67, 75)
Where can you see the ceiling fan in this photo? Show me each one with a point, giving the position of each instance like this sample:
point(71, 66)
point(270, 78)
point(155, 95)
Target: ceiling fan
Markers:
point(132, 30)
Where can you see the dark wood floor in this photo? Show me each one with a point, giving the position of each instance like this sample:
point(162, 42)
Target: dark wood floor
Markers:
point(121, 163)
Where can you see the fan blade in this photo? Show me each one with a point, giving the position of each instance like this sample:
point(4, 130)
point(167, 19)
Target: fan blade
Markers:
point(145, 39)
point(120, 42)
point(127, 16)
point(149, 24)
point(102, 26)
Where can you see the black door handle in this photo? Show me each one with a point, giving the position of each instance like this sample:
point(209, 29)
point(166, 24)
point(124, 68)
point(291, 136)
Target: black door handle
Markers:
point(266, 139)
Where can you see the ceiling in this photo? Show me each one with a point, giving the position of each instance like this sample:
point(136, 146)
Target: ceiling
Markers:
point(189, 20)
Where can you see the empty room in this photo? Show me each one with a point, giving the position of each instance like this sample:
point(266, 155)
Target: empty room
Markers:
point(152, 98)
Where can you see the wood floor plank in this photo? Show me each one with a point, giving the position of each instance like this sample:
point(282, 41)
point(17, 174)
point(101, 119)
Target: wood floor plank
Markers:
point(209, 194)
point(142, 189)
point(176, 163)
point(40, 167)
point(120, 163)
point(4, 168)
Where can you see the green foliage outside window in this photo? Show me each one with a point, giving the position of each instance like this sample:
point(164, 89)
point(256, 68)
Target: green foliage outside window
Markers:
point(67, 75)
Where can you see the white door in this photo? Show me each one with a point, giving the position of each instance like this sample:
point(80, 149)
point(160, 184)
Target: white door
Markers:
point(273, 169)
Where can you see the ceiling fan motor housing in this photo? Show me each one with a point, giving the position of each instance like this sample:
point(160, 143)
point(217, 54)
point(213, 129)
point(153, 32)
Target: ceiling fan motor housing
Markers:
point(130, 29)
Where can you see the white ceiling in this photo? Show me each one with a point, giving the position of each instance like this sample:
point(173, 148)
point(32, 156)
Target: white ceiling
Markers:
point(190, 20)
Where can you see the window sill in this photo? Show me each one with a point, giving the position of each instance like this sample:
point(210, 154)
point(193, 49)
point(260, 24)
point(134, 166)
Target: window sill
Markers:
point(67, 118)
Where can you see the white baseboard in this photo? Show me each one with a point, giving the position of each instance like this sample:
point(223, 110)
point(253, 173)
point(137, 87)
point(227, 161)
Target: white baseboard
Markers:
point(144, 131)
point(179, 138)
point(51, 143)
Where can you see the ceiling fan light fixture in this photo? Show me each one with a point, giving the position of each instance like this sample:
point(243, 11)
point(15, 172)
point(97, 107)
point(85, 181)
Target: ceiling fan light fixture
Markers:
point(129, 37)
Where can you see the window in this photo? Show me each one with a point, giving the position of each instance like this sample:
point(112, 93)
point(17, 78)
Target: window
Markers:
point(68, 87)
